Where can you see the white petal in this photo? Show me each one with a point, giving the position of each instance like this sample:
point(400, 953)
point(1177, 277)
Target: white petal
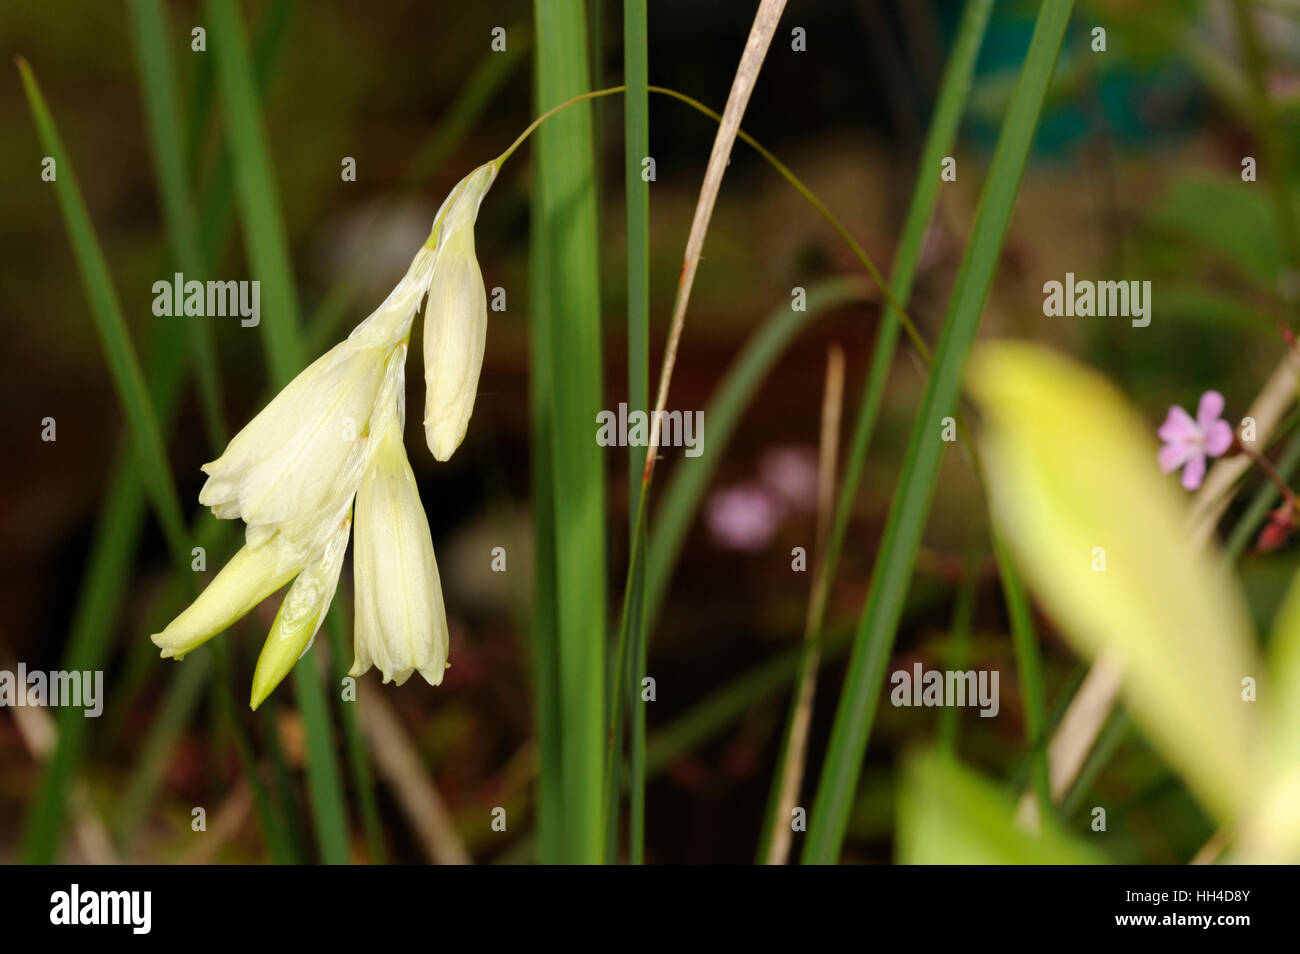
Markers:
point(455, 329)
point(455, 323)
point(250, 577)
point(291, 460)
point(301, 613)
point(401, 623)
point(460, 208)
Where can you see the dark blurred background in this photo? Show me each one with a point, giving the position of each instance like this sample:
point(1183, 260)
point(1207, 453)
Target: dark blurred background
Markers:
point(1132, 178)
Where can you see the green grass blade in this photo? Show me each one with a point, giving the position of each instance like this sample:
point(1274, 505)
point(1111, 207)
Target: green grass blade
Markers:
point(690, 478)
point(106, 310)
point(954, 93)
point(163, 115)
point(636, 146)
point(217, 209)
point(182, 696)
point(279, 838)
point(911, 503)
point(1113, 732)
point(119, 531)
point(324, 784)
point(706, 718)
point(282, 785)
point(99, 602)
point(1019, 778)
point(544, 639)
point(1029, 668)
point(959, 635)
point(268, 254)
point(256, 192)
point(567, 205)
point(354, 741)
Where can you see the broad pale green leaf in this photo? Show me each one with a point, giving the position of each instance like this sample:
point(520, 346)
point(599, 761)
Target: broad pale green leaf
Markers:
point(948, 815)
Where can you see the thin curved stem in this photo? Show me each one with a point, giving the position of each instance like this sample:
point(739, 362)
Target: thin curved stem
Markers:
point(781, 169)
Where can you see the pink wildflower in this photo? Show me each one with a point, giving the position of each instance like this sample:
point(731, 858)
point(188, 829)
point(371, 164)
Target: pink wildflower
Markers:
point(743, 517)
point(1188, 442)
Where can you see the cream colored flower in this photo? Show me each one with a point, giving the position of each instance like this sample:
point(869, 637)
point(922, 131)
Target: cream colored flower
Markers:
point(291, 475)
point(455, 318)
point(305, 547)
point(332, 436)
point(401, 623)
point(287, 468)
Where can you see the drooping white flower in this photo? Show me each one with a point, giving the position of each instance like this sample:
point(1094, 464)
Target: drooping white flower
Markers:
point(455, 318)
point(291, 474)
point(334, 436)
point(401, 622)
point(305, 547)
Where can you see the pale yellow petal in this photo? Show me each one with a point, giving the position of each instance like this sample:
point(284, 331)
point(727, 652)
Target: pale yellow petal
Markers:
point(292, 459)
point(300, 615)
point(401, 622)
point(250, 577)
point(455, 322)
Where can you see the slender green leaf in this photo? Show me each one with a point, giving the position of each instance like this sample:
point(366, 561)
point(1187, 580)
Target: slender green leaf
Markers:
point(911, 503)
point(567, 208)
point(958, 653)
point(268, 254)
point(118, 531)
point(1029, 668)
point(544, 637)
point(954, 93)
point(353, 738)
point(256, 192)
point(163, 112)
point(636, 146)
point(182, 696)
point(106, 310)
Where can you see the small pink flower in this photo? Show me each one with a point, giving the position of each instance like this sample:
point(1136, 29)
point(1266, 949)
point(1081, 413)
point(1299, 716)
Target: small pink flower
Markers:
point(1188, 442)
point(790, 473)
point(743, 517)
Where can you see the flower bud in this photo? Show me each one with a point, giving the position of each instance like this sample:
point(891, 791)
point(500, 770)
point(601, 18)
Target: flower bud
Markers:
point(455, 319)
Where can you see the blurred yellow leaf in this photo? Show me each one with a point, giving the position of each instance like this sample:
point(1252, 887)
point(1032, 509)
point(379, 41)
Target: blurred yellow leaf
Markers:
point(1272, 833)
point(1099, 534)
